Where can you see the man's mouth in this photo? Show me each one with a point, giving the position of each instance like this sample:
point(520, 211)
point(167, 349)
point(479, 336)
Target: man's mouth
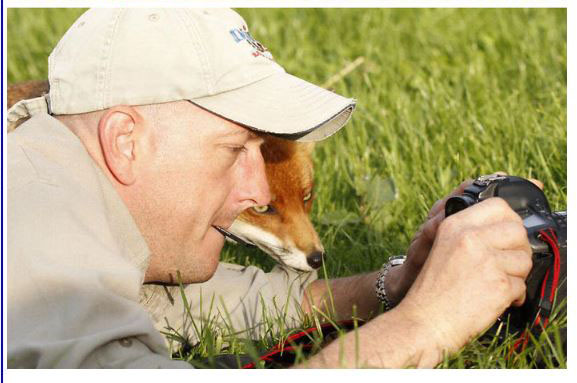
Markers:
point(235, 238)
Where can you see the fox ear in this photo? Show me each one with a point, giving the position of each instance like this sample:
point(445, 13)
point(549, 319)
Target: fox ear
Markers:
point(308, 147)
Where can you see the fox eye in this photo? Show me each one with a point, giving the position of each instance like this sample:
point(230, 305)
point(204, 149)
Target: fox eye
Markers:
point(308, 196)
point(264, 209)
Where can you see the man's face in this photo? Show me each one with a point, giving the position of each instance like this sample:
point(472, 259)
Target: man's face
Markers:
point(200, 170)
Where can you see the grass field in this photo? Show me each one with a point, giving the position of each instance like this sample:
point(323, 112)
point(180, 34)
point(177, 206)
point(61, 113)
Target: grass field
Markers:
point(443, 95)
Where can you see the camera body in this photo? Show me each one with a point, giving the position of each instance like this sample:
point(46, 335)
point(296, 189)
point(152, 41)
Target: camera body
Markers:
point(530, 203)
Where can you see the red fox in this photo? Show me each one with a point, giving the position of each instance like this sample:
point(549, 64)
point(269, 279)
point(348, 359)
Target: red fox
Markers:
point(283, 228)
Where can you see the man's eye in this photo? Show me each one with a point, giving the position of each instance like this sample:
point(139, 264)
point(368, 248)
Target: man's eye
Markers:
point(238, 149)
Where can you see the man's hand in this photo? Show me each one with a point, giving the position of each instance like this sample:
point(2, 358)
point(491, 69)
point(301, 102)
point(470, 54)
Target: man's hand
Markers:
point(464, 270)
point(477, 268)
point(401, 278)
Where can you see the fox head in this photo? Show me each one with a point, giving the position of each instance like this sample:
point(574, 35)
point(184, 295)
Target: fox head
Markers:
point(283, 228)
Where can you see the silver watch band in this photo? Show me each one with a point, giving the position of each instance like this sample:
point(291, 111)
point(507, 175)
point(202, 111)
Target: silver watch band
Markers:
point(393, 261)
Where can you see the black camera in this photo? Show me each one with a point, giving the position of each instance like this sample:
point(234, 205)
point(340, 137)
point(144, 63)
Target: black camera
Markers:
point(547, 232)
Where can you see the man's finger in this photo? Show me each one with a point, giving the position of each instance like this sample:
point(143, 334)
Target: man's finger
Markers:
point(516, 263)
point(440, 204)
point(537, 183)
point(505, 235)
point(490, 211)
point(429, 228)
point(518, 291)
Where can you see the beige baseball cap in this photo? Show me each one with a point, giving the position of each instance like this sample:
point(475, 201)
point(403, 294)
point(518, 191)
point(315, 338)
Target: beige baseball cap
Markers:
point(142, 56)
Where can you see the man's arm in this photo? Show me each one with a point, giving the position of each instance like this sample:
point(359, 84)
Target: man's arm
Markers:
point(343, 297)
point(353, 296)
point(392, 340)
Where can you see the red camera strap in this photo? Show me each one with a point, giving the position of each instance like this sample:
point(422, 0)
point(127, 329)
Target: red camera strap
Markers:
point(548, 291)
point(284, 353)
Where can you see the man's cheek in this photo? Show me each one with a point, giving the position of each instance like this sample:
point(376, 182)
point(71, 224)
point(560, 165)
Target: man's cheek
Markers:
point(218, 196)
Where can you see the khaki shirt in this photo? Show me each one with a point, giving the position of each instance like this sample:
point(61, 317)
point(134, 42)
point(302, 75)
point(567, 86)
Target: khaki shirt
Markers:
point(76, 263)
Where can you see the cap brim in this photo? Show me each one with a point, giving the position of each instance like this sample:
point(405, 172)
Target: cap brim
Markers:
point(284, 105)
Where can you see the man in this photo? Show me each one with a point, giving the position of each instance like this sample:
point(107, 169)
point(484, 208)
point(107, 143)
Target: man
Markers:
point(148, 145)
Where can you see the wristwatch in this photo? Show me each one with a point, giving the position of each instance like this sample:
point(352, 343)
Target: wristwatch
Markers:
point(393, 261)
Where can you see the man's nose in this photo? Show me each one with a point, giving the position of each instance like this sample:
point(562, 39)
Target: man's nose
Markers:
point(256, 191)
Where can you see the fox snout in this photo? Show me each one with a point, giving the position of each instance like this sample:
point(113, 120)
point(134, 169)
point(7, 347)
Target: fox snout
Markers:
point(284, 250)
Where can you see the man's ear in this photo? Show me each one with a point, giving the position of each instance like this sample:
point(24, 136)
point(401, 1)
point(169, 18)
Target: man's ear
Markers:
point(119, 132)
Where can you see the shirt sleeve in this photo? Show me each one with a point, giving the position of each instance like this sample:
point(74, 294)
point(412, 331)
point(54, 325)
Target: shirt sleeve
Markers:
point(242, 299)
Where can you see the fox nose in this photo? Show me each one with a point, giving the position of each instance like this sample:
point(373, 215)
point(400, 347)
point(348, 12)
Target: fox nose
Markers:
point(316, 259)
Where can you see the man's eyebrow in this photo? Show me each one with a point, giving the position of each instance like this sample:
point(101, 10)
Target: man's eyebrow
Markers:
point(237, 133)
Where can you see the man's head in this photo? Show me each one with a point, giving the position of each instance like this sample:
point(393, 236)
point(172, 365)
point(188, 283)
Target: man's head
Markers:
point(171, 103)
point(180, 170)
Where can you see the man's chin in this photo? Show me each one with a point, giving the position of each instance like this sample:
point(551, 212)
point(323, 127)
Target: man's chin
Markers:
point(195, 264)
point(209, 255)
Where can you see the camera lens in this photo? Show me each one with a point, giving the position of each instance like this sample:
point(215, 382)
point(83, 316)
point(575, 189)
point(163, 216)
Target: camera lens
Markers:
point(456, 204)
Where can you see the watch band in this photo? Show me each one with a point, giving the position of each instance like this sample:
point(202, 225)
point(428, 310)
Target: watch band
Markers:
point(380, 290)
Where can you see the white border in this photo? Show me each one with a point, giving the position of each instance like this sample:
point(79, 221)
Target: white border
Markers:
point(293, 3)
point(571, 163)
point(333, 375)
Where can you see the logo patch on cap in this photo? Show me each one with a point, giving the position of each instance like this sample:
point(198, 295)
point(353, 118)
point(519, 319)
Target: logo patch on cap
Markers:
point(242, 34)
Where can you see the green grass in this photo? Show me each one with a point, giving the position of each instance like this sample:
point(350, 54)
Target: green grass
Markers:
point(443, 95)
